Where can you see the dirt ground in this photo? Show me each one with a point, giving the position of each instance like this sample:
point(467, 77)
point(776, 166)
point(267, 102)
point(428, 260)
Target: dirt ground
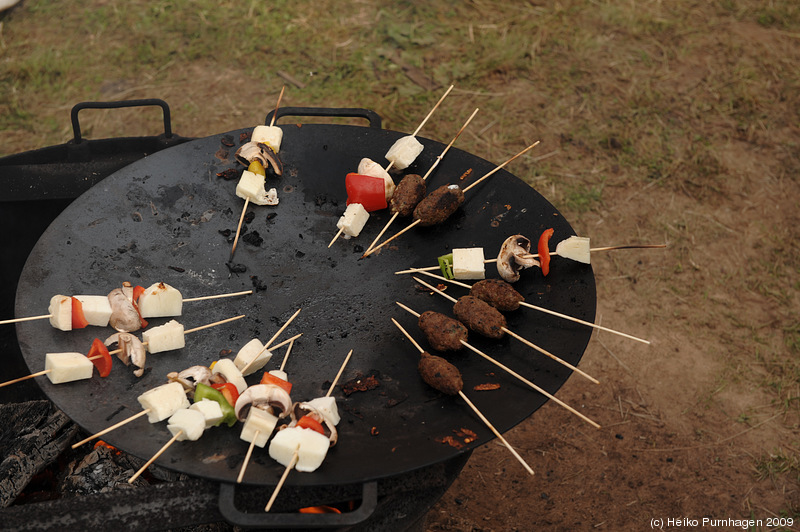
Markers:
point(703, 422)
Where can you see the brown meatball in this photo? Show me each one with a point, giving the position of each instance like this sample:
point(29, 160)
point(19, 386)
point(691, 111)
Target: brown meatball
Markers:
point(498, 294)
point(480, 317)
point(407, 194)
point(439, 205)
point(440, 374)
point(443, 332)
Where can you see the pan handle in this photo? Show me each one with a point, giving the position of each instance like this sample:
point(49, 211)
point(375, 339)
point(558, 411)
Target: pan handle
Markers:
point(373, 117)
point(76, 126)
point(227, 507)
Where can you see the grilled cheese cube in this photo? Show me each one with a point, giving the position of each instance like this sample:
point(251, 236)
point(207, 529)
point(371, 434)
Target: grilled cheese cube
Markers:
point(164, 337)
point(244, 358)
point(160, 300)
point(60, 310)
point(187, 424)
point(163, 401)
point(404, 151)
point(228, 369)
point(259, 421)
point(269, 135)
point(468, 263)
point(280, 374)
point(211, 411)
point(353, 220)
point(371, 168)
point(96, 309)
point(311, 445)
point(575, 248)
point(251, 185)
point(327, 407)
point(67, 367)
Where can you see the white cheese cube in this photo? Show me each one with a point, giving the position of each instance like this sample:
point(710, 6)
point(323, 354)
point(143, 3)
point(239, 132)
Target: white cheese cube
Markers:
point(251, 185)
point(244, 358)
point(371, 168)
point(259, 421)
point(160, 300)
point(228, 369)
point(575, 248)
point(468, 263)
point(327, 407)
point(67, 367)
point(188, 423)
point(60, 310)
point(269, 135)
point(280, 374)
point(211, 411)
point(353, 220)
point(404, 151)
point(96, 309)
point(312, 448)
point(164, 337)
point(163, 401)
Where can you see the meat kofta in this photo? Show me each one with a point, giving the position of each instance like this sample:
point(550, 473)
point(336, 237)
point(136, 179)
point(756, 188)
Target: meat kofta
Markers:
point(407, 195)
point(440, 374)
point(480, 317)
point(439, 205)
point(498, 294)
point(443, 332)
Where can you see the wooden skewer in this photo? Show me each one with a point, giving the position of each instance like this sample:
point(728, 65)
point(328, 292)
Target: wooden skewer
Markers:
point(337, 235)
point(500, 437)
point(26, 377)
point(30, 318)
point(220, 322)
point(518, 337)
point(280, 96)
point(239, 227)
point(526, 150)
point(269, 343)
point(247, 457)
point(541, 309)
point(112, 427)
point(425, 177)
point(278, 486)
point(155, 456)
point(286, 356)
point(341, 369)
point(218, 296)
point(419, 128)
point(514, 374)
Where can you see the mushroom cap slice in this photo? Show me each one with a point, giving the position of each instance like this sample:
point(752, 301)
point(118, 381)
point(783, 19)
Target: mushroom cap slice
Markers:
point(124, 316)
point(511, 259)
point(251, 151)
point(265, 396)
point(131, 350)
point(307, 409)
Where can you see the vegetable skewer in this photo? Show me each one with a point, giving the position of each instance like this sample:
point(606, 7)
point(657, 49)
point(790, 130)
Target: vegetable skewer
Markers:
point(473, 407)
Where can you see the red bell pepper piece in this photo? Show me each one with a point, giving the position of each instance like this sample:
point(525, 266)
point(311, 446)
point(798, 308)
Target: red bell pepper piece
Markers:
point(367, 190)
point(78, 319)
point(544, 251)
point(269, 378)
point(137, 292)
point(100, 357)
point(228, 391)
point(308, 422)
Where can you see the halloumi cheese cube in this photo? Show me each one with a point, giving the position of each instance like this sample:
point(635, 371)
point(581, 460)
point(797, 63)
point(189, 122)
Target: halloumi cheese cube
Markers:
point(269, 135)
point(60, 310)
point(312, 448)
point(164, 337)
point(67, 367)
point(228, 369)
point(575, 248)
point(252, 185)
point(468, 263)
point(371, 168)
point(404, 151)
point(159, 300)
point(353, 220)
point(211, 411)
point(280, 374)
point(326, 406)
point(96, 309)
point(260, 421)
point(253, 349)
point(187, 424)
point(163, 401)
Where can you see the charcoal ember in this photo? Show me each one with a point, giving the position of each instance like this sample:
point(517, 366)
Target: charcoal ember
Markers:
point(253, 238)
point(229, 174)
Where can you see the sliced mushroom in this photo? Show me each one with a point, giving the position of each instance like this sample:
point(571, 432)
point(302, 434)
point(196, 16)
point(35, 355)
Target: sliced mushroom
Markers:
point(306, 409)
point(251, 151)
point(131, 350)
point(513, 258)
point(124, 316)
point(189, 378)
point(269, 397)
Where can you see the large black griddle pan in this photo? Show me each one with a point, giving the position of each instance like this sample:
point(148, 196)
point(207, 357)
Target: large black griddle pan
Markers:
point(160, 218)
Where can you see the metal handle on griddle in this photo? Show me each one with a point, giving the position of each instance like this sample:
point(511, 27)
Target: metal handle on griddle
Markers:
point(76, 126)
point(332, 112)
point(227, 507)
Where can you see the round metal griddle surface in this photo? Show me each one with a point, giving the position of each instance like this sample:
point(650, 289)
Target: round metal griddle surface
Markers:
point(160, 218)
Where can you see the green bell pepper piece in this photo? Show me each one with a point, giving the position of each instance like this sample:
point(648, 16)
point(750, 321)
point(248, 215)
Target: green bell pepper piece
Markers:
point(202, 391)
point(446, 265)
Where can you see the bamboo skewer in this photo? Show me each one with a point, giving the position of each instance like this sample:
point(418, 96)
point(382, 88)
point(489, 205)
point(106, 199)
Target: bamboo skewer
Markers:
point(112, 427)
point(341, 369)
point(266, 346)
point(540, 309)
point(417, 221)
point(474, 409)
point(518, 337)
point(278, 104)
point(428, 173)
point(514, 374)
point(155, 456)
